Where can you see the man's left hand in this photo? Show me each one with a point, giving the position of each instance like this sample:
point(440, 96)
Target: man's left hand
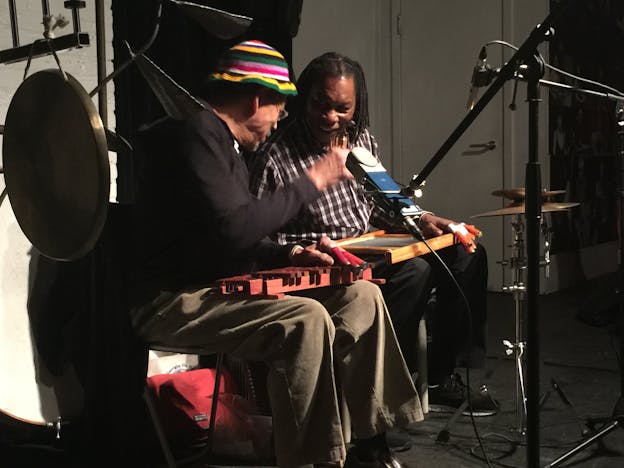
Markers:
point(432, 226)
point(466, 235)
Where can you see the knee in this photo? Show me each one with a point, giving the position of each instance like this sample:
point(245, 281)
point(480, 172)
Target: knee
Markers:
point(478, 266)
point(365, 301)
point(312, 317)
point(480, 254)
point(417, 271)
point(466, 261)
point(364, 309)
point(365, 291)
point(418, 265)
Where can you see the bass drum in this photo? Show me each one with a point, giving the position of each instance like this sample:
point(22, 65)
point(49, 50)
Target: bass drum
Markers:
point(33, 402)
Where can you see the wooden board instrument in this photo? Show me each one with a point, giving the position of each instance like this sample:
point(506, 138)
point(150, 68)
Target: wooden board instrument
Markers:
point(394, 247)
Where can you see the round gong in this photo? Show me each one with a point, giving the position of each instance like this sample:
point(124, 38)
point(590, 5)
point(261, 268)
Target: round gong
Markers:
point(56, 165)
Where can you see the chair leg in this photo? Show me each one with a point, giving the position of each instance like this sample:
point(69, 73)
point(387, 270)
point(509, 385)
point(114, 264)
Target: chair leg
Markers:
point(160, 432)
point(422, 380)
point(164, 443)
point(207, 448)
point(215, 402)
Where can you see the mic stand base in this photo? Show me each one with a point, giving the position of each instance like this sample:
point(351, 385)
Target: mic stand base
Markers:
point(586, 443)
point(617, 417)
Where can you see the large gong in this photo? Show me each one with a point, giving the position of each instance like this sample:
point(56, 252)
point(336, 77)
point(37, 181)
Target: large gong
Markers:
point(56, 166)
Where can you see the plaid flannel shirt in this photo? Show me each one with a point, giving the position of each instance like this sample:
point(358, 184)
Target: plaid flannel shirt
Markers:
point(342, 210)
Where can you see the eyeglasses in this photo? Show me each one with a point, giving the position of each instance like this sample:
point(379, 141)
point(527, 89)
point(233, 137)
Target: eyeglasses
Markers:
point(283, 113)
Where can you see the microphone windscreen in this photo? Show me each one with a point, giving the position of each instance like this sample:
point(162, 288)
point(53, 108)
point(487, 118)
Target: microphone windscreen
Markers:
point(364, 156)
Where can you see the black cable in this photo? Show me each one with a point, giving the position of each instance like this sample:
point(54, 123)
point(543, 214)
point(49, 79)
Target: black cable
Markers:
point(412, 225)
point(560, 71)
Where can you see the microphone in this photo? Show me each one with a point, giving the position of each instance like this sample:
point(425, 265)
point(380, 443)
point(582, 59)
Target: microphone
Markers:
point(480, 77)
point(369, 172)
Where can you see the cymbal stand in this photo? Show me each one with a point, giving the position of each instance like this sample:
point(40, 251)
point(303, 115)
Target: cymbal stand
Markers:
point(518, 262)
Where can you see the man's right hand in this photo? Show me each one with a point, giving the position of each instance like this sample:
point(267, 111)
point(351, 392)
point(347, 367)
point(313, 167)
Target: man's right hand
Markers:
point(317, 254)
point(330, 169)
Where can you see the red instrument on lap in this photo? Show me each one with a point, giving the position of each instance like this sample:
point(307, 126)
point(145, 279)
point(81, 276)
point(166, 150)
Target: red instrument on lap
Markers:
point(273, 284)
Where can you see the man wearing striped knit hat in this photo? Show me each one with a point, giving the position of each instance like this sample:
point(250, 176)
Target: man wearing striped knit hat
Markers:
point(331, 352)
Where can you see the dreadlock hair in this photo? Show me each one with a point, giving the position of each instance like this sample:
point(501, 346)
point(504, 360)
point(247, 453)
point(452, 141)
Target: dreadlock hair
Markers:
point(333, 64)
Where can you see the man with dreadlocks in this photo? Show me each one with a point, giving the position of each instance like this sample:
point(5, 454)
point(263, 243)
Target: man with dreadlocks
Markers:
point(330, 110)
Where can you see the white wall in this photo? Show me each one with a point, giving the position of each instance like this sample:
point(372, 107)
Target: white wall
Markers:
point(362, 30)
point(81, 63)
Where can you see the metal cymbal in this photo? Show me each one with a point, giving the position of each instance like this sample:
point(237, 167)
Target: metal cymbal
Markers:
point(56, 165)
point(519, 193)
point(518, 208)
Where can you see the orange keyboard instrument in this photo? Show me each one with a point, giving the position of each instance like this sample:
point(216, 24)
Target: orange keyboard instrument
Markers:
point(273, 284)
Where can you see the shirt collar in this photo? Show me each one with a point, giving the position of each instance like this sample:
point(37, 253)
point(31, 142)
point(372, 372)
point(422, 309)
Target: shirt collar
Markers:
point(235, 142)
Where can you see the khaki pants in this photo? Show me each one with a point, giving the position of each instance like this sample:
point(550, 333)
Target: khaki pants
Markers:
point(334, 362)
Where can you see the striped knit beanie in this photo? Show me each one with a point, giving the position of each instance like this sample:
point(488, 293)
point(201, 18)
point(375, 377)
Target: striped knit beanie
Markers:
point(255, 62)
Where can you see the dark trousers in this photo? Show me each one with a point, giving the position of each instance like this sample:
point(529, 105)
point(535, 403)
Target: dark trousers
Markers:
point(408, 295)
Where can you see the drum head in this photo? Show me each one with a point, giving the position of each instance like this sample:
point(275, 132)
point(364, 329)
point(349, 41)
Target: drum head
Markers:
point(31, 397)
point(56, 165)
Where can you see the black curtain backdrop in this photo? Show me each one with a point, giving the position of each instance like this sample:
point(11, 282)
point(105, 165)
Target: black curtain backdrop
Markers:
point(582, 128)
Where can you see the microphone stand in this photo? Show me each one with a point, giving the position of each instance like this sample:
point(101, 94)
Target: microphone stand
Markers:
point(527, 54)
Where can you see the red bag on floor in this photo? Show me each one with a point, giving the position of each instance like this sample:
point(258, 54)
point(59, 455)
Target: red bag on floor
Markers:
point(183, 401)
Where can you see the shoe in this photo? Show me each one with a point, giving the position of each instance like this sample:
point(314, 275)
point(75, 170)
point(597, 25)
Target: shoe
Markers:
point(382, 460)
point(398, 441)
point(448, 397)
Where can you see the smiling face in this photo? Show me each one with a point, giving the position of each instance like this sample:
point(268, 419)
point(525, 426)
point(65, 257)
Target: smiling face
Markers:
point(330, 107)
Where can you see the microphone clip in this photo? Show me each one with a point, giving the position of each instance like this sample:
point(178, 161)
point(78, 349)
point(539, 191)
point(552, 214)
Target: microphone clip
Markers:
point(413, 190)
point(483, 75)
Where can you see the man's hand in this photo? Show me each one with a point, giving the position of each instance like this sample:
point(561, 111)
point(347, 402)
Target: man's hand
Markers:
point(318, 254)
point(330, 169)
point(433, 226)
point(466, 234)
